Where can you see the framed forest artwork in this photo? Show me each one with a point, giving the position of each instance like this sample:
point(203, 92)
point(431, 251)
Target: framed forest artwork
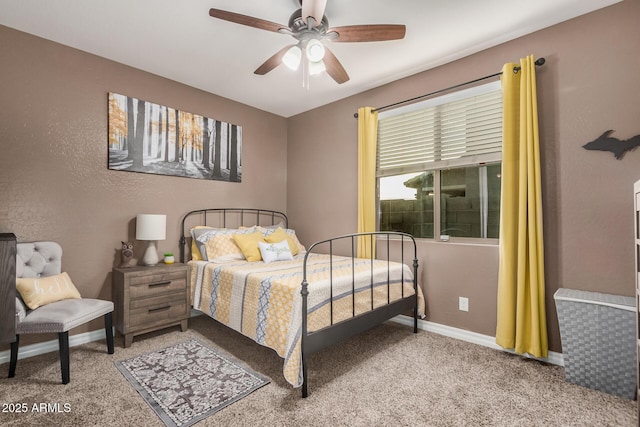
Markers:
point(151, 138)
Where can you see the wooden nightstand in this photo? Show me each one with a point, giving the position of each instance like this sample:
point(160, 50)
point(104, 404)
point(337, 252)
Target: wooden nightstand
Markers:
point(150, 298)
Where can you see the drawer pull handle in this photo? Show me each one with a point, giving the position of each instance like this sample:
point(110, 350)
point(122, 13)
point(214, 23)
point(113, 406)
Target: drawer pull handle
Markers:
point(153, 310)
point(153, 285)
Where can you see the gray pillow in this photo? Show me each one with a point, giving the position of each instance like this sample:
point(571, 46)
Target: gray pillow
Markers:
point(200, 237)
point(275, 226)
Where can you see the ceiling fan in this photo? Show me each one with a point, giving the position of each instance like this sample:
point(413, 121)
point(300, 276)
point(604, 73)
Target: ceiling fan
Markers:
point(310, 27)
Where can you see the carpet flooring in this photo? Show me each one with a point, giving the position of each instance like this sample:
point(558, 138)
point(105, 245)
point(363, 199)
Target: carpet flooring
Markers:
point(387, 376)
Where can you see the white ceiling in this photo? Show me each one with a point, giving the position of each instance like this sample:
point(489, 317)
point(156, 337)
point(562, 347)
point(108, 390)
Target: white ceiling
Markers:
point(180, 41)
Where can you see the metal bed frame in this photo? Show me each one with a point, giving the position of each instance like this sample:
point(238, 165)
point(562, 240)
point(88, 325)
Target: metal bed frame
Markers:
point(312, 342)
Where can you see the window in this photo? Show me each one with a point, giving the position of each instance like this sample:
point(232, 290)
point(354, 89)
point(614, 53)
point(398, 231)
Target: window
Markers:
point(439, 165)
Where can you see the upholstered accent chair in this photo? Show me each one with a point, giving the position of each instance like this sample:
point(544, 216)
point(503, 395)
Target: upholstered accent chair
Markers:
point(43, 259)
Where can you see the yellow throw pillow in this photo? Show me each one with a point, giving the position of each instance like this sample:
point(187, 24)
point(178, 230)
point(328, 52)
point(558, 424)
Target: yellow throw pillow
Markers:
point(36, 292)
point(293, 238)
point(279, 235)
point(248, 244)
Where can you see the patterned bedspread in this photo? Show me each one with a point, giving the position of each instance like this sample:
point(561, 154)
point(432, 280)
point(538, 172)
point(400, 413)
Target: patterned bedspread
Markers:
point(263, 301)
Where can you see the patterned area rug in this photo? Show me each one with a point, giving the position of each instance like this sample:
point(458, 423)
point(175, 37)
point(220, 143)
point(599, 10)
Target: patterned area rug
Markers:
point(189, 381)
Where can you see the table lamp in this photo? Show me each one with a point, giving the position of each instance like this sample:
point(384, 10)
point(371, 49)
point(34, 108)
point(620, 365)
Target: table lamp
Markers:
point(151, 227)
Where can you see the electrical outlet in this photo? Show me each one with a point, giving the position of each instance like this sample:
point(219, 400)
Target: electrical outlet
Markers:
point(463, 304)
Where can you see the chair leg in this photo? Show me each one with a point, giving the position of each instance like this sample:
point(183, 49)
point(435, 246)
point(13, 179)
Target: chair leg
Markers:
point(14, 357)
point(63, 339)
point(108, 329)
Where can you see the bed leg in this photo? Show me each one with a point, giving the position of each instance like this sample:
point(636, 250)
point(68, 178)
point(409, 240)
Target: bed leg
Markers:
point(415, 289)
point(305, 393)
point(304, 292)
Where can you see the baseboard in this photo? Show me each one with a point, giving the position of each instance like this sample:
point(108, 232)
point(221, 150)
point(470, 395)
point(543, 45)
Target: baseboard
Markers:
point(449, 331)
point(472, 337)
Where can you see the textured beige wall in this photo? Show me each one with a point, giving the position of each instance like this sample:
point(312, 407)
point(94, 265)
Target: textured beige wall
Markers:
point(588, 85)
point(54, 181)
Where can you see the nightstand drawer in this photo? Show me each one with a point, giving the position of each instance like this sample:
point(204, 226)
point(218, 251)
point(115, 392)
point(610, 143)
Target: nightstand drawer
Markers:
point(158, 286)
point(180, 297)
point(156, 277)
point(159, 309)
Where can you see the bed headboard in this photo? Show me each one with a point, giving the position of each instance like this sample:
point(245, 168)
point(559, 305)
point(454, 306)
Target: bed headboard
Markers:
point(226, 218)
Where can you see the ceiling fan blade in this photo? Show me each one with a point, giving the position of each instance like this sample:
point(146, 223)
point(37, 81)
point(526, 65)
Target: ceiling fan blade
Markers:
point(314, 8)
point(249, 21)
point(334, 67)
point(272, 62)
point(369, 33)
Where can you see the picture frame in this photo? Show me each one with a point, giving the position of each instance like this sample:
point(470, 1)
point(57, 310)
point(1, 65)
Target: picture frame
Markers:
point(151, 138)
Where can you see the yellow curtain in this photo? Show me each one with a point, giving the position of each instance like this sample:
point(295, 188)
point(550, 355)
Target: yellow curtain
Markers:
point(367, 141)
point(521, 322)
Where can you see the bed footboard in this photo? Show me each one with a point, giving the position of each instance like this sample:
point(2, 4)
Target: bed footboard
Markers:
point(312, 342)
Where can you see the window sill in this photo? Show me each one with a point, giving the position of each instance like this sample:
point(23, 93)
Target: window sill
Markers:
point(467, 241)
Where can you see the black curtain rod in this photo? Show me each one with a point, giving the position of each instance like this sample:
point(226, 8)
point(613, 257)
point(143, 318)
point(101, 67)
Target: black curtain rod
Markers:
point(539, 62)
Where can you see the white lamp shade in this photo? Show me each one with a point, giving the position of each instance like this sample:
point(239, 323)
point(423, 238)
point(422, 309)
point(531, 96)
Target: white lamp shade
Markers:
point(151, 227)
point(292, 58)
point(316, 68)
point(315, 50)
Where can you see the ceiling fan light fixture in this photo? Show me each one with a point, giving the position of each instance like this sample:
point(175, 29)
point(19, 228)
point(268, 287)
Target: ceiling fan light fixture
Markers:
point(315, 50)
point(292, 58)
point(316, 68)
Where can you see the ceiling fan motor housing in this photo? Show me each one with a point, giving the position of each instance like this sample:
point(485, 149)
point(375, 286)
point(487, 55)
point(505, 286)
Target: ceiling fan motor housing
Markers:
point(303, 31)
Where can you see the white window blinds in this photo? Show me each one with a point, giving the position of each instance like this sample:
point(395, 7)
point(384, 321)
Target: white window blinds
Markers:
point(452, 130)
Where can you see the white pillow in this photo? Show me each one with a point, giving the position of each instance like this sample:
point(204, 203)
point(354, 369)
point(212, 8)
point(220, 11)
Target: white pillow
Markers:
point(275, 251)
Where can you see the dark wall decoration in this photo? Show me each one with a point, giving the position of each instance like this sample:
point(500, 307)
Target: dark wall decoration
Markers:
point(618, 147)
point(151, 138)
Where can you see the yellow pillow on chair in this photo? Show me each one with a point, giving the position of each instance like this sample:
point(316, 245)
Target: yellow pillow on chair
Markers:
point(38, 291)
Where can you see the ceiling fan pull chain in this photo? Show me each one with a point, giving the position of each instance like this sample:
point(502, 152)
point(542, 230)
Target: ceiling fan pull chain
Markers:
point(305, 71)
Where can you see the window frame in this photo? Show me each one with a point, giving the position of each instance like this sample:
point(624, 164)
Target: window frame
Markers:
point(471, 161)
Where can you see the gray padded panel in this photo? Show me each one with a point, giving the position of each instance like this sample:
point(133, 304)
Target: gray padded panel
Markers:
point(64, 315)
point(598, 340)
point(38, 259)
